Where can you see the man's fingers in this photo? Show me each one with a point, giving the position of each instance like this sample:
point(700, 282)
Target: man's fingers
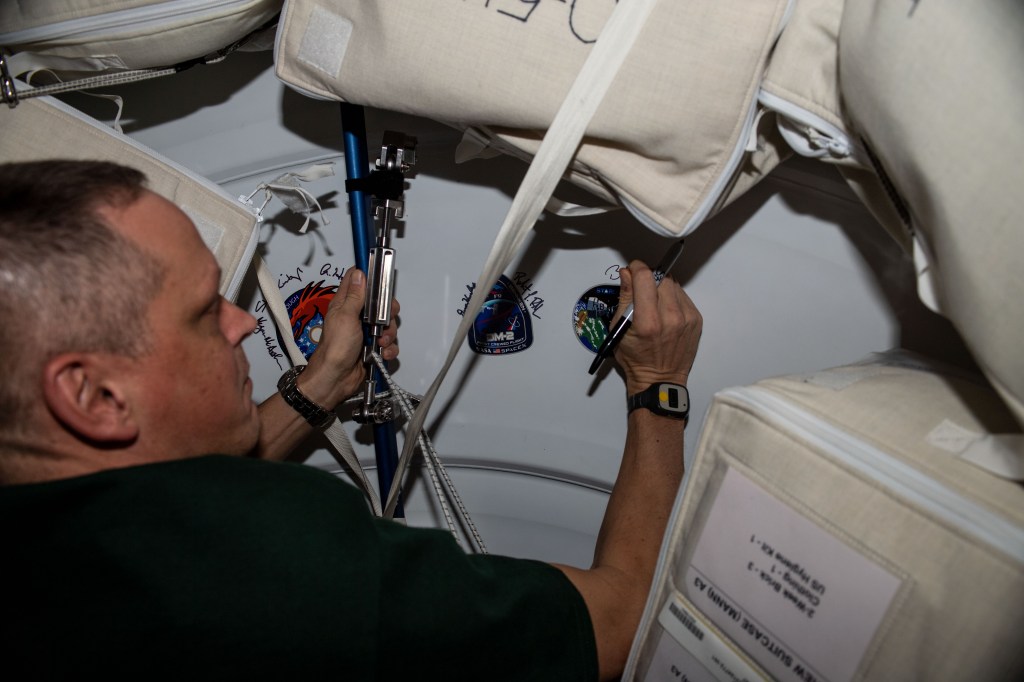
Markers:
point(625, 294)
point(351, 292)
point(644, 296)
point(390, 352)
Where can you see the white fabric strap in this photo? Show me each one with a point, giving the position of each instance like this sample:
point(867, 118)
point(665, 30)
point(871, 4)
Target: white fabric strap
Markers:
point(342, 451)
point(476, 145)
point(567, 209)
point(553, 156)
point(272, 295)
point(287, 188)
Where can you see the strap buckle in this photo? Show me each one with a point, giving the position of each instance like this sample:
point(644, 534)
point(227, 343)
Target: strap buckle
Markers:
point(7, 90)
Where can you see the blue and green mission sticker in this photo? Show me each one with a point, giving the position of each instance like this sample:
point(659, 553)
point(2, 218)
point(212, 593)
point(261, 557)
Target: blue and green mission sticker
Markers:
point(592, 315)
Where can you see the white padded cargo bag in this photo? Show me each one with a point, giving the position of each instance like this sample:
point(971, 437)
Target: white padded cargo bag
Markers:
point(845, 525)
point(666, 141)
point(46, 128)
point(936, 89)
point(83, 36)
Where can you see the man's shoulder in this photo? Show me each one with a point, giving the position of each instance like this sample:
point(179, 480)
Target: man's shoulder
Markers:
point(221, 485)
point(219, 476)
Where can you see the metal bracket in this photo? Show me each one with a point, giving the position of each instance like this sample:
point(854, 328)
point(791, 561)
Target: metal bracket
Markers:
point(386, 186)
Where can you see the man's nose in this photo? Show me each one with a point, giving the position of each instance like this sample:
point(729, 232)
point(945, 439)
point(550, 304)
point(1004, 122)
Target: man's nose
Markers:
point(239, 322)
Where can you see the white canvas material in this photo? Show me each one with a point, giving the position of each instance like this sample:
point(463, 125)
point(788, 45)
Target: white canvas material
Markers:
point(935, 90)
point(851, 489)
point(46, 128)
point(80, 36)
point(667, 139)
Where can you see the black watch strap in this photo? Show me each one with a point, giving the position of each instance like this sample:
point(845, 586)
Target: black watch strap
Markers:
point(317, 416)
point(666, 399)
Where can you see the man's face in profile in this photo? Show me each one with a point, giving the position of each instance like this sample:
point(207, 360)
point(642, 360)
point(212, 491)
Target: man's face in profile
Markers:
point(191, 387)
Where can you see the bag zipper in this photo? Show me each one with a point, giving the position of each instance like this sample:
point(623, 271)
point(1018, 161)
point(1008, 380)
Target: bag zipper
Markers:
point(948, 505)
point(725, 178)
point(815, 136)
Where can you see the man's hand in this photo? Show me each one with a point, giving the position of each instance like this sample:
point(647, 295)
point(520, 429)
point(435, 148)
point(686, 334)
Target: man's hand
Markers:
point(335, 371)
point(662, 341)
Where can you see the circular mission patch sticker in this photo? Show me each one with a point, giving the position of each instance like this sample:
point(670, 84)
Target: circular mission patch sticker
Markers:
point(592, 315)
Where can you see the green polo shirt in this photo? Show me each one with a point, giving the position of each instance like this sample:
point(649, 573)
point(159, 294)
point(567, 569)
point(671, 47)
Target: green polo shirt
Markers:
point(230, 568)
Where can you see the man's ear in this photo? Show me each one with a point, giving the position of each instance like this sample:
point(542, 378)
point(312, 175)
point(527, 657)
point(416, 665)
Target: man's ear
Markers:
point(83, 391)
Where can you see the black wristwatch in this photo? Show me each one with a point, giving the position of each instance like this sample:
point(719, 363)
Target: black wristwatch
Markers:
point(317, 416)
point(668, 400)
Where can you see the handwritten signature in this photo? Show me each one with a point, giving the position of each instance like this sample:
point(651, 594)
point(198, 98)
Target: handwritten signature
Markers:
point(523, 285)
point(269, 341)
point(584, 21)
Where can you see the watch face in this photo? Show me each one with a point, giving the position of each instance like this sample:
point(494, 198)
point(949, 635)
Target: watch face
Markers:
point(673, 398)
point(668, 400)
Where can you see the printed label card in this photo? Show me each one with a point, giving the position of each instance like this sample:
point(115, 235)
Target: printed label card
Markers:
point(687, 651)
point(795, 598)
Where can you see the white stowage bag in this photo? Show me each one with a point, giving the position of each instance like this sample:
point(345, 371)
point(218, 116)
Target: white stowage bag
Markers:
point(45, 128)
point(76, 37)
point(935, 89)
point(845, 525)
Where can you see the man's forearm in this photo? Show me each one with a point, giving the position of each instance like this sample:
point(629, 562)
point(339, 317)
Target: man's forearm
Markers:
point(282, 429)
point(629, 541)
point(645, 489)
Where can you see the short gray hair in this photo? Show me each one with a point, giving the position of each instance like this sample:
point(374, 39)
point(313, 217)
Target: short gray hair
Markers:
point(68, 281)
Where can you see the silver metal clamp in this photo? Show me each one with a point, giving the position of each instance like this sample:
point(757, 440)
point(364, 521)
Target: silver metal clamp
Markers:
point(386, 186)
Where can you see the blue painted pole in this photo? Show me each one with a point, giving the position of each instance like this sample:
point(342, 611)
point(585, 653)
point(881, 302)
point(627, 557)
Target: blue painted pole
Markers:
point(353, 125)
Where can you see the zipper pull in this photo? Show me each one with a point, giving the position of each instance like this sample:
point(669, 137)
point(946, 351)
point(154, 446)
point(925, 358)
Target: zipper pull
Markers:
point(839, 149)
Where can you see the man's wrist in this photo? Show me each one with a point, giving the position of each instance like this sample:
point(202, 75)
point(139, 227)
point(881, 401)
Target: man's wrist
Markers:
point(641, 383)
point(315, 413)
point(661, 398)
point(323, 387)
point(315, 390)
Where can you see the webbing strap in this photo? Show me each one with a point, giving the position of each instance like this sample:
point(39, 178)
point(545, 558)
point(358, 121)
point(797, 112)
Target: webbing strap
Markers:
point(556, 151)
